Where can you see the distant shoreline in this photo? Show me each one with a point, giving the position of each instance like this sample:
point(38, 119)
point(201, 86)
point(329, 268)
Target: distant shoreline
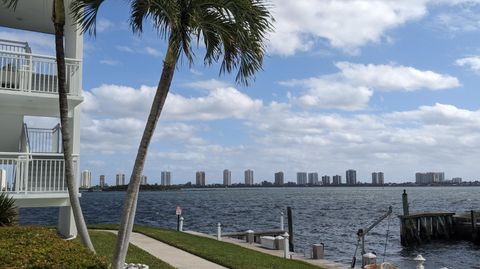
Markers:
point(156, 187)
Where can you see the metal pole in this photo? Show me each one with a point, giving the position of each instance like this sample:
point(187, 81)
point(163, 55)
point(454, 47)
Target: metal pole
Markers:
point(181, 224)
point(285, 245)
point(405, 203)
point(219, 231)
point(290, 228)
point(178, 222)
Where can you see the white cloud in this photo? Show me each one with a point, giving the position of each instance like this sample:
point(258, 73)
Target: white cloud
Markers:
point(353, 86)
point(109, 62)
point(472, 62)
point(153, 52)
point(301, 24)
point(103, 25)
point(395, 77)
point(125, 48)
point(210, 84)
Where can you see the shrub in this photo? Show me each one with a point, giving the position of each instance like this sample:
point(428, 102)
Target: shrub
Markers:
point(8, 211)
point(35, 247)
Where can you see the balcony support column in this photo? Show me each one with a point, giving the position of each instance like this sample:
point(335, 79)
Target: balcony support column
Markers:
point(66, 222)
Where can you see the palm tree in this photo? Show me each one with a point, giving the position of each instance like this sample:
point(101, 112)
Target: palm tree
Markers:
point(58, 19)
point(8, 211)
point(233, 32)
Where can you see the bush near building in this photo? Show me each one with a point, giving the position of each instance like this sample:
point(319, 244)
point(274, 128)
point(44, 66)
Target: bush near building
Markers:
point(36, 247)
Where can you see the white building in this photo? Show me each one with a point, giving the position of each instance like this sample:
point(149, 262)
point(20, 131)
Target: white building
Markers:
point(227, 177)
point(279, 178)
point(378, 178)
point(313, 178)
point(302, 178)
point(166, 177)
point(249, 177)
point(200, 178)
point(86, 179)
point(351, 177)
point(33, 157)
point(120, 179)
point(143, 180)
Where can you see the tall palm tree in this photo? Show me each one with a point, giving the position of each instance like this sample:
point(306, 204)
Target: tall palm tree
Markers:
point(58, 19)
point(233, 32)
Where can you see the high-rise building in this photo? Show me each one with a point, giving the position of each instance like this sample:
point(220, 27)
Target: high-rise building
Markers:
point(302, 178)
point(120, 179)
point(200, 178)
point(166, 177)
point(457, 180)
point(143, 180)
point(3, 180)
point(351, 177)
point(227, 177)
point(326, 180)
point(101, 181)
point(429, 177)
point(86, 179)
point(279, 179)
point(249, 177)
point(337, 180)
point(377, 178)
point(313, 178)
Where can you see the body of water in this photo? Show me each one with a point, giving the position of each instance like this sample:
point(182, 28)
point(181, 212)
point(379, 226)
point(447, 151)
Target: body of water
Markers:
point(329, 215)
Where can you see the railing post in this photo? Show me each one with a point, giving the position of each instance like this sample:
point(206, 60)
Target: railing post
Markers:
point(219, 231)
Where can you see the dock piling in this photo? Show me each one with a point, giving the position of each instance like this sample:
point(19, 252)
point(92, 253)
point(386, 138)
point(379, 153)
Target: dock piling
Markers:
point(285, 246)
point(405, 203)
point(419, 260)
point(180, 226)
point(474, 225)
point(219, 231)
point(282, 226)
point(290, 228)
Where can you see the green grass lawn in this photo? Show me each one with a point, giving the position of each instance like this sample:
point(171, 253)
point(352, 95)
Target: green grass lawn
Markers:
point(104, 243)
point(226, 254)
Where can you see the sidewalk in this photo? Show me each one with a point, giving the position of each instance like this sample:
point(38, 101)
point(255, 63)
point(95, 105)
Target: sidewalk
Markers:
point(175, 257)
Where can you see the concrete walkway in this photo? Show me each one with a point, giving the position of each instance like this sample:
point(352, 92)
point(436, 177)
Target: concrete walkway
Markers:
point(175, 257)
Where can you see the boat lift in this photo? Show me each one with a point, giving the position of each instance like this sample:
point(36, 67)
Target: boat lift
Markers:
point(364, 231)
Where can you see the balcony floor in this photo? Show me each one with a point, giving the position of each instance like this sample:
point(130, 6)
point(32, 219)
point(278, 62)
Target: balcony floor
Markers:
point(34, 104)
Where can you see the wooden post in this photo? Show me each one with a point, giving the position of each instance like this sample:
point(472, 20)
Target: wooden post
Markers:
point(405, 203)
point(290, 228)
point(474, 225)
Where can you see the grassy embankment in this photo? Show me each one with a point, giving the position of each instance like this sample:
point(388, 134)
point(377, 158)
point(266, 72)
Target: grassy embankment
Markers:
point(104, 243)
point(226, 254)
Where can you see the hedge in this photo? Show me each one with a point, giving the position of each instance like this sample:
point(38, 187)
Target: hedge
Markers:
point(36, 247)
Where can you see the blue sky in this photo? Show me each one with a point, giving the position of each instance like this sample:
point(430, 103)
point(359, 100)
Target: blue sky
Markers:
point(371, 85)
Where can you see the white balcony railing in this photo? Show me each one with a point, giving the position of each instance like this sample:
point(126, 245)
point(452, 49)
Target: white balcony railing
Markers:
point(33, 173)
point(44, 140)
point(27, 72)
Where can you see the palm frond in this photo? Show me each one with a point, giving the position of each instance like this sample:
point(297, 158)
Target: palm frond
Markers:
point(8, 212)
point(10, 3)
point(84, 13)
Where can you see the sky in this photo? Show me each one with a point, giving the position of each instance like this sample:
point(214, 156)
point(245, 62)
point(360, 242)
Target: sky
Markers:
point(370, 85)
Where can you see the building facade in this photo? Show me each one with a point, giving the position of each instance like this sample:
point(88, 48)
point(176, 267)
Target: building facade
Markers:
point(101, 181)
point(29, 88)
point(378, 178)
point(351, 177)
point(279, 178)
point(143, 180)
point(249, 177)
point(302, 178)
point(227, 177)
point(120, 179)
point(200, 178)
point(166, 178)
point(337, 180)
point(313, 178)
point(325, 180)
point(457, 180)
point(86, 179)
point(429, 177)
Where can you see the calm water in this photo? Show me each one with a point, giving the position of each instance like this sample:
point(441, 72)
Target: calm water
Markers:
point(328, 215)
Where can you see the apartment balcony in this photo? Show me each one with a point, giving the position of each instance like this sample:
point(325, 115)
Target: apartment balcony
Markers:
point(37, 170)
point(30, 80)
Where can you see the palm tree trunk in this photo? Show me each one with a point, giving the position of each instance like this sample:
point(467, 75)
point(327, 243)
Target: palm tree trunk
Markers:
point(59, 23)
point(130, 205)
